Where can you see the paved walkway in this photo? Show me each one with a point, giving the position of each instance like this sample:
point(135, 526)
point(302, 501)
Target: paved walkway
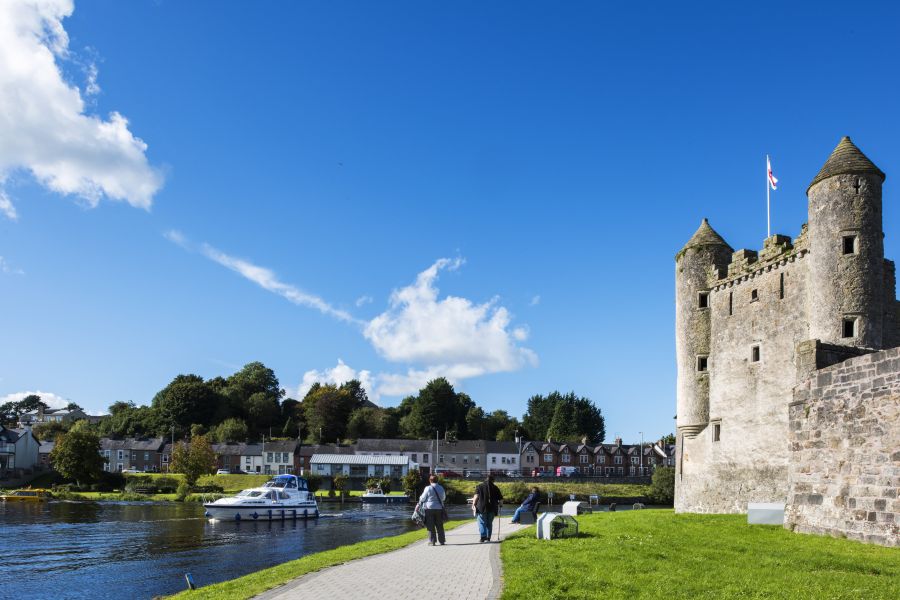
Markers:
point(464, 568)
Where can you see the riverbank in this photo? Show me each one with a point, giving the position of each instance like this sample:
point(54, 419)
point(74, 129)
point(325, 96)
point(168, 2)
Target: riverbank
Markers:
point(657, 554)
point(266, 579)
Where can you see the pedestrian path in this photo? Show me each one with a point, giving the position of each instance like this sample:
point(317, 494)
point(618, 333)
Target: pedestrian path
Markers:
point(464, 568)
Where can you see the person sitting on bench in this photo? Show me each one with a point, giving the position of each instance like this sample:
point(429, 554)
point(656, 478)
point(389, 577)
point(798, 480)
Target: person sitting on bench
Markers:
point(529, 505)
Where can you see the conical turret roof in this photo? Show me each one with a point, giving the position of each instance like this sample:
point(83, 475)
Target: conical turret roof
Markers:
point(705, 236)
point(845, 159)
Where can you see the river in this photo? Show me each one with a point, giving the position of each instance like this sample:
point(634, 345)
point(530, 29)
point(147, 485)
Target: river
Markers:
point(140, 550)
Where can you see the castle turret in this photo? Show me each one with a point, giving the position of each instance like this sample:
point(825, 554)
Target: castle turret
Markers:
point(846, 285)
point(706, 250)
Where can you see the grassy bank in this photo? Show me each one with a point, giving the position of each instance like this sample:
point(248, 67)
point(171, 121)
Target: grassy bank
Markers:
point(515, 491)
point(256, 583)
point(658, 554)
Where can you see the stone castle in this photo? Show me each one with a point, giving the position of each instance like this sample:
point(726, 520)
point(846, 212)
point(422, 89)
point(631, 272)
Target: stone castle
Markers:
point(772, 404)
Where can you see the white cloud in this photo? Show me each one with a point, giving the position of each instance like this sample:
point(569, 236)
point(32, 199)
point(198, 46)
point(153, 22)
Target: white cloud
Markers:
point(5, 267)
point(363, 300)
point(450, 333)
point(7, 208)
point(176, 237)
point(267, 280)
point(49, 398)
point(341, 373)
point(44, 128)
point(535, 301)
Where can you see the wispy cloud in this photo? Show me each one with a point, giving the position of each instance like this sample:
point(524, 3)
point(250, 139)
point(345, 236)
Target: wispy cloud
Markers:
point(261, 276)
point(535, 300)
point(5, 267)
point(363, 300)
point(7, 209)
point(45, 128)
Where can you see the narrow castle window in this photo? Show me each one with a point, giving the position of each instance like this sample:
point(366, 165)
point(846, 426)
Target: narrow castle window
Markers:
point(754, 295)
point(717, 431)
point(754, 354)
point(702, 363)
point(703, 300)
point(849, 245)
point(849, 327)
point(781, 287)
point(730, 303)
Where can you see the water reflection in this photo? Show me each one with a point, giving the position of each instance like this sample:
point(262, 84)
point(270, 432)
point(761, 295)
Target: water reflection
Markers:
point(140, 550)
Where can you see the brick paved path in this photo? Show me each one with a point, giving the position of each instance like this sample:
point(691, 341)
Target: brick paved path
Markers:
point(462, 569)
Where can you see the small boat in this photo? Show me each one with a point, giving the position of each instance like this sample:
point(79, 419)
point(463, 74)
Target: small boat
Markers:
point(28, 495)
point(377, 496)
point(285, 497)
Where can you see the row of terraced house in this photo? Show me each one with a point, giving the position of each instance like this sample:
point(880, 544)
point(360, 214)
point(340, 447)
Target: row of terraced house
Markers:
point(462, 458)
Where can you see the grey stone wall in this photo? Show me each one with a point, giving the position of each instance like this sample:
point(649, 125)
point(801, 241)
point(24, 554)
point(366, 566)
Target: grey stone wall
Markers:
point(748, 399)
point(844, 467)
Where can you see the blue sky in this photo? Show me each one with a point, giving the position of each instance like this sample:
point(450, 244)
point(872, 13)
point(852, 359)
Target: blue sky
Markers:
point(555, 155)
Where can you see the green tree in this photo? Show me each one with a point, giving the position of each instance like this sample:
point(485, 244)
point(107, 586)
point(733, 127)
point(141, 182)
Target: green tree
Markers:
point(669, 439)
point(340, 483)
point(185, 401)
point(76, 455)
point(662, 486)
point(437, 407)
point(539, 414)
point(412, 483)
point(385, 483)
point(327, 409)
point(313, 482)
point(73, 406)
point(49, 430)
point(229, 430)
point(573, 418)
point(193, 459)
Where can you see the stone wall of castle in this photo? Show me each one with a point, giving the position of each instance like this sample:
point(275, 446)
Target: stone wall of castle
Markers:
point(760, 304)
point(844, 466)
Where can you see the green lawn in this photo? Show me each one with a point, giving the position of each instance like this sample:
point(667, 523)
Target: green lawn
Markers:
point(256, 583)
point(658, 554)
point(560, 489)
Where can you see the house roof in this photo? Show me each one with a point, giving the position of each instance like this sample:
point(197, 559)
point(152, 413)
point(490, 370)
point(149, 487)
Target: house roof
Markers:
point(8, 435)
point(705, 236)
point(463, 447)
point(310, 449)
point(845, 159)
point(142, 444)
point(358, 459)
point(230, 449)
point(495, 447)
point(393, 445)
point(46, 447)
point(280, 446)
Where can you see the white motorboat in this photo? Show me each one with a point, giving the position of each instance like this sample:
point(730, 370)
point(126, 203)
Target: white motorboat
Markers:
point(377, 496)
point(283, 497)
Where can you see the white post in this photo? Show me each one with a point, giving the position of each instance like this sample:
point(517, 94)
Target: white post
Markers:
point(768, 213)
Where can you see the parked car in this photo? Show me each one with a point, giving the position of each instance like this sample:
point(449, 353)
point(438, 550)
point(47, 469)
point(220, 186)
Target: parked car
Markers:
point(223, 472)
point(444, 472)
point(131, 471)
point(566, 471)
point(473, 474)
point(540, 473)
point(513, 473)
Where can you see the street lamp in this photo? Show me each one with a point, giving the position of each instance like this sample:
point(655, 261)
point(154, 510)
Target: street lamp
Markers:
point(642, 453)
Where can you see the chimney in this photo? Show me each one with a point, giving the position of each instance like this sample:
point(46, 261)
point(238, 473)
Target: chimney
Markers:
point(584, 440)
point(618, 441)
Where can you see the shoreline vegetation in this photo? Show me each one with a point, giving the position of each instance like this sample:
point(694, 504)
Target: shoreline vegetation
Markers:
point(458, 490)
point(659, 554)
point(258, 582)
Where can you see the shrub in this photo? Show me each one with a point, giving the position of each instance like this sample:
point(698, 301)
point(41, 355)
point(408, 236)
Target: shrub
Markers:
point(411, 483)
point(182, 492)
point(372, 482)
point(110, 481)
point(662, 486)
point(385, 483)
point(166, 485)
point(314, 482)
point(515, 493)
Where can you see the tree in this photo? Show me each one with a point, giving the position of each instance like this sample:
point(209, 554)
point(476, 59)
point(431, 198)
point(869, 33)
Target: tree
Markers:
point(437, 407)
point(313, 482)
point(662, 486)
point(76, 455)
point(185, 401)
point(263, 411)
point(539, 414)
point(411, 482)
point(49, 430)
point(340, 483)
point(327, 409)
point(193, 459)
point(571, 419)
point(73, 406)
point(289, 430)
point(229, 430)
point(669, 439)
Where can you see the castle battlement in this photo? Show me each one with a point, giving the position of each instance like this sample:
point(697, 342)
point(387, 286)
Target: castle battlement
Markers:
point(752, 325)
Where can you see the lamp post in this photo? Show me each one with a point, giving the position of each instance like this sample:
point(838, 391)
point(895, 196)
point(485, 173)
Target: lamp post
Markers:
point(642, 453)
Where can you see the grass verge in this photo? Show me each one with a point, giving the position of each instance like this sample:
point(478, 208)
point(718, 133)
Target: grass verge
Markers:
point(260, 581)
point(561, 490)
point(658, 554)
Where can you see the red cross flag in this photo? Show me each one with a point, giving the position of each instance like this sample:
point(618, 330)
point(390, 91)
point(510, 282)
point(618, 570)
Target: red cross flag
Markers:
point(772, 181)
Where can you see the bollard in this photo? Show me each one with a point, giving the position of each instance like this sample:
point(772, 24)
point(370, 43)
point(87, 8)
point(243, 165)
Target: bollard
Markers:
point(190, 581)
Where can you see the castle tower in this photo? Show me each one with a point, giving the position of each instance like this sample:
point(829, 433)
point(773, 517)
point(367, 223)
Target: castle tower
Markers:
point(846, 277)
point(705, 250)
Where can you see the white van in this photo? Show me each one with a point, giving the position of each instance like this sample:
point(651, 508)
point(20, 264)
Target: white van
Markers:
point(566, 471)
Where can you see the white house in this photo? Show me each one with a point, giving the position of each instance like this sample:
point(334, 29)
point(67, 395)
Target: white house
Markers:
point(420, 452)
point(252, 458)
point(19, 451)
point(359, 466)
point(279, 457)
point(502, 456)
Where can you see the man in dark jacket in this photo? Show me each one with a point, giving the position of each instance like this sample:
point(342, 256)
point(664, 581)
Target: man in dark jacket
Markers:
point(485, 506)
point(529, 505)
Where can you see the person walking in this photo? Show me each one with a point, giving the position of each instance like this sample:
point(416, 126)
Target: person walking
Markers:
point(485, 506)
point(529, 505)
point(432, 502)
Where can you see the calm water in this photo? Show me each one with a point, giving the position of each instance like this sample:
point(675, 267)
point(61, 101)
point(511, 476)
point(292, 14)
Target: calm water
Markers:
point(119, 550)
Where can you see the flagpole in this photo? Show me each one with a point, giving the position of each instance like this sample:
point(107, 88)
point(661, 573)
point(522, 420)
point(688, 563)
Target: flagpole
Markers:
point(768, 212)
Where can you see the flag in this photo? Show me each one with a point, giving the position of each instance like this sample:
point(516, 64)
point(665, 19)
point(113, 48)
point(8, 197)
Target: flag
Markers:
point(772, 181)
